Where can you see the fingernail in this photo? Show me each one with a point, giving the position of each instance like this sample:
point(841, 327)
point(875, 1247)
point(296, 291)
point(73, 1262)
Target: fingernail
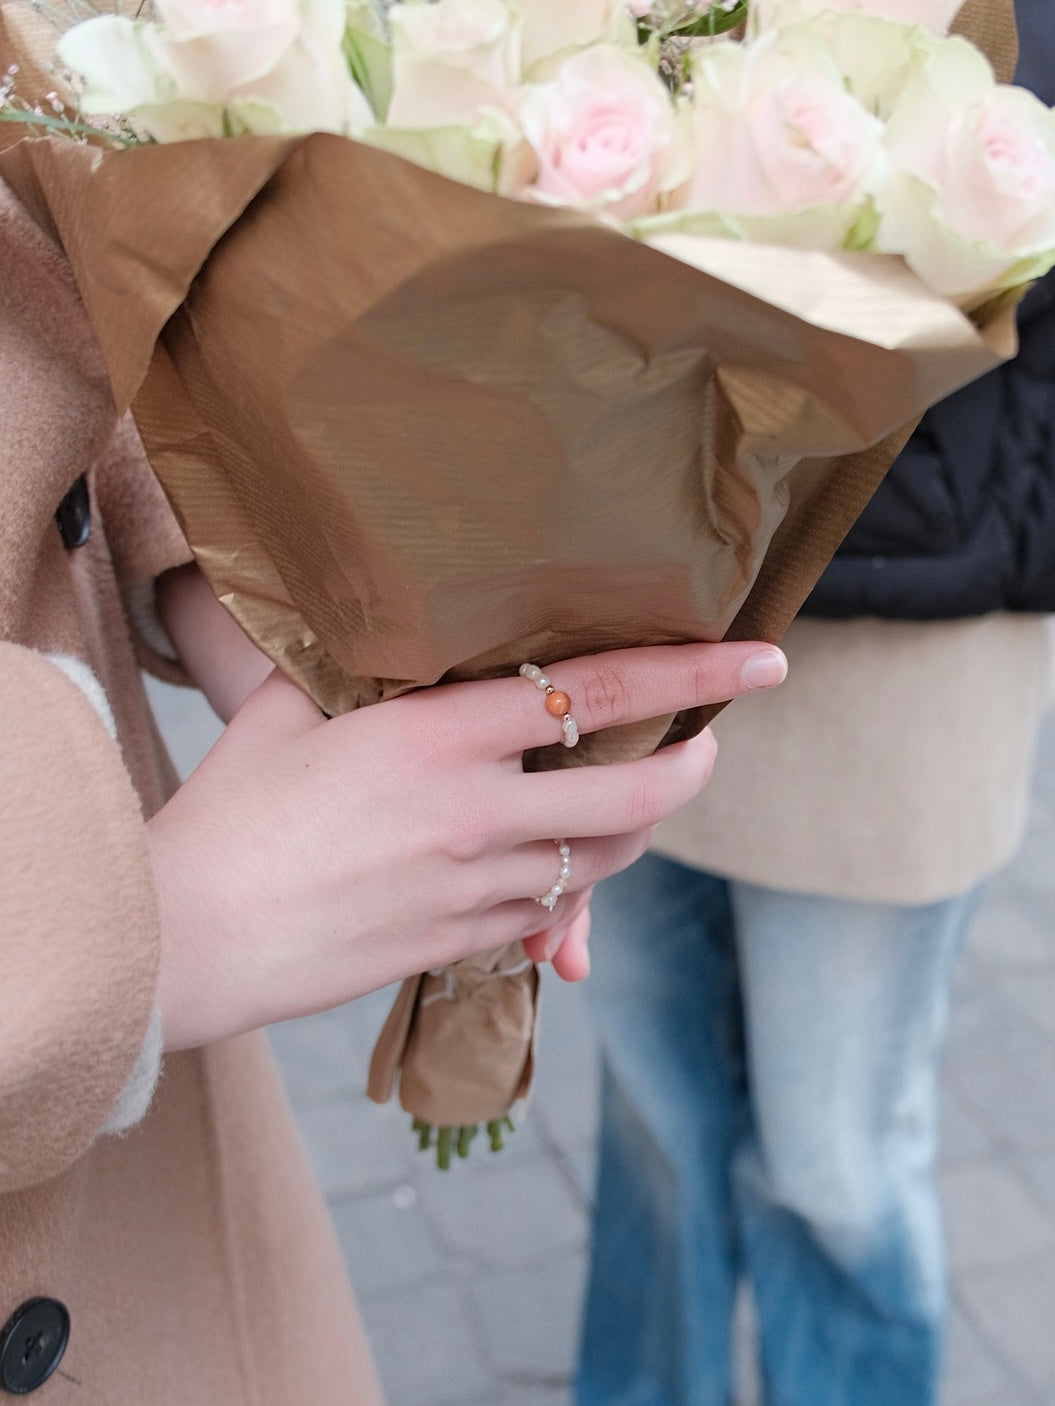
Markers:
point(764, 669)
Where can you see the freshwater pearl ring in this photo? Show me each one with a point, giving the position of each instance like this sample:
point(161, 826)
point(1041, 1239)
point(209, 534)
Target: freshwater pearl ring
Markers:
point(549, 900)
point(558, 704)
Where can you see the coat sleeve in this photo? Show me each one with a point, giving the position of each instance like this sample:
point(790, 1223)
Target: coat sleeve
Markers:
point(78, 922)
point(145, 540)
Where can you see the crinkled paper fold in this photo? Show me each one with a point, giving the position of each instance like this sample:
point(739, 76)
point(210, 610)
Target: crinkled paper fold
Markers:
point(416, 432)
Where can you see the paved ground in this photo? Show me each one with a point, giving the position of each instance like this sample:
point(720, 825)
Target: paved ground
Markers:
point(470, 1281)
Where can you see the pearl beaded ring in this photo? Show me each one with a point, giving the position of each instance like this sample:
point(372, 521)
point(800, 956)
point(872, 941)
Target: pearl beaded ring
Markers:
point(558, 703)
point(549, 900)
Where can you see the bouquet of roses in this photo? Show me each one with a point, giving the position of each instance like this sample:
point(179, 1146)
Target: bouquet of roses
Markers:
point(568, 327)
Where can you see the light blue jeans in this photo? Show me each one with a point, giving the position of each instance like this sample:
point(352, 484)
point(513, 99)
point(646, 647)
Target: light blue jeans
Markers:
point(770, 1110)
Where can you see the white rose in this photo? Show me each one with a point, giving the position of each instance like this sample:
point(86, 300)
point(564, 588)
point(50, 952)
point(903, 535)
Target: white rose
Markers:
point(933, 15)
point(489, 153)
point(970, 202)
point(554, 29)
point(782, 151)
point(451, 60)
point(119, 68)
point(876, 57)
point(216, 47)
point(250, 65)
point(605, 133)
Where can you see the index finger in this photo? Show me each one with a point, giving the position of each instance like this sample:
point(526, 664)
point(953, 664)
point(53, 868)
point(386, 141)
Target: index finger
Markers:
point(610, 690)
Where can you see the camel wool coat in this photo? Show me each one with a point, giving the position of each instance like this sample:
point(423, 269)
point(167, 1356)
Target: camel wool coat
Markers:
point(191, 1251)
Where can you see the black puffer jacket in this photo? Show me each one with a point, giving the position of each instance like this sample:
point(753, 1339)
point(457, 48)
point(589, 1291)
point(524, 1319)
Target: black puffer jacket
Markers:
point(964, 523)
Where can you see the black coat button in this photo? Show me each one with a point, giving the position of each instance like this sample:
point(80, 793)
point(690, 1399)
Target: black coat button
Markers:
point(32, 1342)
point(74, 515)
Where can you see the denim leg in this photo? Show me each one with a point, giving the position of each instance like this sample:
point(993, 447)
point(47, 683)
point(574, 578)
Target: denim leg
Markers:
point(845, 1007)
point(657, 1322)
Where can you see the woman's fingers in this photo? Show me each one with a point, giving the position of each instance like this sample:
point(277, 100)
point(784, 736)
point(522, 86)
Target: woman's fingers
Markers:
point(609, 690)
point(618, 799)
point(566, 945)
point(530, 870)
point(571, 960)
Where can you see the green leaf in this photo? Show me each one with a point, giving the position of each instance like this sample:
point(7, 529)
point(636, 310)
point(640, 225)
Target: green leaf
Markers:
point(716, 20)
point(369, 60)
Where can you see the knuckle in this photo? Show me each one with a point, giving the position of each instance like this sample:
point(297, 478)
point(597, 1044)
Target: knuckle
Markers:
point(644, 804)
point(464, 841)
point(615, 853)
point(534, 919)
point(705, 687)
point(639, 843)
point(606, 697)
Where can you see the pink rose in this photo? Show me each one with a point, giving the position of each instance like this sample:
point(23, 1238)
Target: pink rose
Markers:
point(778, 136)
point(971, 198)
point(605, 134)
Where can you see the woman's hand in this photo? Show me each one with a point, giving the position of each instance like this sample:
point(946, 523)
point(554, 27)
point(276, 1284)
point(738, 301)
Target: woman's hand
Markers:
point(308, 861)
point(213, 648)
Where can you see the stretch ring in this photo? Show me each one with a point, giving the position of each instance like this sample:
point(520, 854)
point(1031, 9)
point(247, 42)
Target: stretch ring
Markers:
point(558, 703)
point(549, 900)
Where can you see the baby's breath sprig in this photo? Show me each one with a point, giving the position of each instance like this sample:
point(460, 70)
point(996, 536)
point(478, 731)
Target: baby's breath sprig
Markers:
point(51, 115)
point(675, 27)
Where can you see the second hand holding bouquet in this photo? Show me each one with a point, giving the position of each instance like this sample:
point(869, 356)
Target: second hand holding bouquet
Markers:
point(417, 431)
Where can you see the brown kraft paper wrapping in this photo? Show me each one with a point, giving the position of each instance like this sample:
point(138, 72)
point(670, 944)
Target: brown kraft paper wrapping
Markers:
point(415, 432)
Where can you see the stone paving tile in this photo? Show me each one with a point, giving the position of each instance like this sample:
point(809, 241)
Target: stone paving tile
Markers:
point(318, 1059)
point(1011, 932)
point(993, 1217)
point(389, 1242)
point(535, 1396)
point(1039, 1173)
point(746, 1376)
point(982, 1021)
point(188, 725)
point(1034, 995)
point(355, 1146)
point(1012, 1310)
point(973, 1375)
point(427, 1348)
point(530, 1318)
point(579, 1165)
point(1012, 1091)
point(510, 1216)
point(964, 1137)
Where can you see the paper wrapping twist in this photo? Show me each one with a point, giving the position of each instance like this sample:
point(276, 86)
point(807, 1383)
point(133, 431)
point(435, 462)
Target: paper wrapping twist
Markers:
point(415, 432)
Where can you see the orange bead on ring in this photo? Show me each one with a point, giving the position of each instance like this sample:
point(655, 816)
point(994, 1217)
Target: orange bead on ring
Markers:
point(558, 703)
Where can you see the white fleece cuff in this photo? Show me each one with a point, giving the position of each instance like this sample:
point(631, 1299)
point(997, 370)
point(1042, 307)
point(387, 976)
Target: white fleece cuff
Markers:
point(142, 607)
point(134, 1099)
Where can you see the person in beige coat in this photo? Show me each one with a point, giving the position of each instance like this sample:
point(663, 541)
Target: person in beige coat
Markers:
point(161, 1237)
point(771, 984)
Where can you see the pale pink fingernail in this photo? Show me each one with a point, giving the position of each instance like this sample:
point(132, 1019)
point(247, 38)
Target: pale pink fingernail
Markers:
point(764, 669)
